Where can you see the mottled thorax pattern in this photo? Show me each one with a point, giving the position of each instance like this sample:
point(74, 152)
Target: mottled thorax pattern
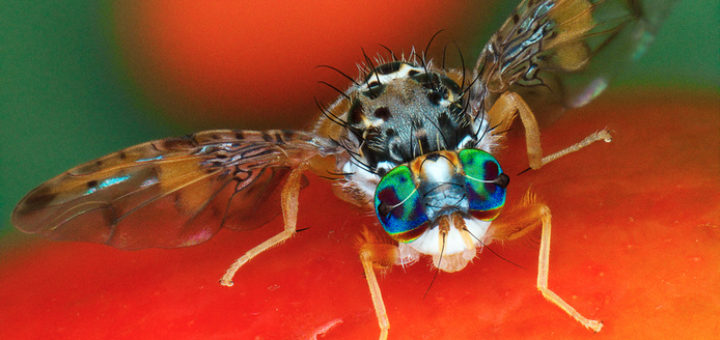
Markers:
point(402, 111)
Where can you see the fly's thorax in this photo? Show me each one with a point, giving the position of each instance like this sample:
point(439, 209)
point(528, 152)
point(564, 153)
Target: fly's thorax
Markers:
point(401, 111)
point(442, 202)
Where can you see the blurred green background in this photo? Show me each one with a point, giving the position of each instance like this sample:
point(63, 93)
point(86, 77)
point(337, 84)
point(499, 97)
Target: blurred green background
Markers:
point(67, 95)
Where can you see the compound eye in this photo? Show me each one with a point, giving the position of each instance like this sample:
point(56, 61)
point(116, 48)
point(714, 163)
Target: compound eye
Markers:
point(398, 205)
point(485, 183)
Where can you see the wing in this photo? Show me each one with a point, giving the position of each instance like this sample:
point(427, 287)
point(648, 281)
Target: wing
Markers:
point(562, 53)
point(172, 192)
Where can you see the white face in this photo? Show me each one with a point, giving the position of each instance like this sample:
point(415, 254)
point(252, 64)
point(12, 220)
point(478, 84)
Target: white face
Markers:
point(456, 241)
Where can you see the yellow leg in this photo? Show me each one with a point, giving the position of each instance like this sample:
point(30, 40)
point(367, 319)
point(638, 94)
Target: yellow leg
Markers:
point(289, 202)
point(520, 221)
point(603, 135)
point(544, 271)
point(503, 112)
point(375, 294)
point(377, 253)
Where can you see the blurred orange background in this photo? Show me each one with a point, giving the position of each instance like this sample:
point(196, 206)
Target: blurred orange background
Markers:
point(254, 64)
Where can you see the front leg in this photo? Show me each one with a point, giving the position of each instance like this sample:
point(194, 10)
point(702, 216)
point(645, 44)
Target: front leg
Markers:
point(510, 104)
point(518, 222)
point(375, 253)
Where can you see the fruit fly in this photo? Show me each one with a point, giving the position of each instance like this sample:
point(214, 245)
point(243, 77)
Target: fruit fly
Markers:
point(410, 139)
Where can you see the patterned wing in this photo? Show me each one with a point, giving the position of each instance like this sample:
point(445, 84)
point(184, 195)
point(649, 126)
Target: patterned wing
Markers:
point(172, 192)
point(564, 52)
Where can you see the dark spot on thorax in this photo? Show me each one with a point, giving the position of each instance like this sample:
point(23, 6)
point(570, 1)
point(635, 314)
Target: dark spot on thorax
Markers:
point(356, 113)
point(382, 113)
point(374, 91)
point(434, 97)
point(389, 67)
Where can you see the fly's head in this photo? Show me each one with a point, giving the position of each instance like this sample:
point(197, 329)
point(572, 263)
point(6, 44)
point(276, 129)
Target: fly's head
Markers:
point(442, 202)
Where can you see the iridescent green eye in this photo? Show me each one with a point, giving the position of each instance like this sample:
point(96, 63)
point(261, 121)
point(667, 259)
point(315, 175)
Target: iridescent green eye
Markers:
point(485, 183)
point(398, 205)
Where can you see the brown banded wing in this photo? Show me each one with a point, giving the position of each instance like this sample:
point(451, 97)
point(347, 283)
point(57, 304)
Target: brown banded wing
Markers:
point(562, 53)
point(172, 192)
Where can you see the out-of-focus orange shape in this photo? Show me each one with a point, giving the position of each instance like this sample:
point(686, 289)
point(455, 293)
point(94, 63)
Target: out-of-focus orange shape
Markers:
point(636, 234)
point(253, 63)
